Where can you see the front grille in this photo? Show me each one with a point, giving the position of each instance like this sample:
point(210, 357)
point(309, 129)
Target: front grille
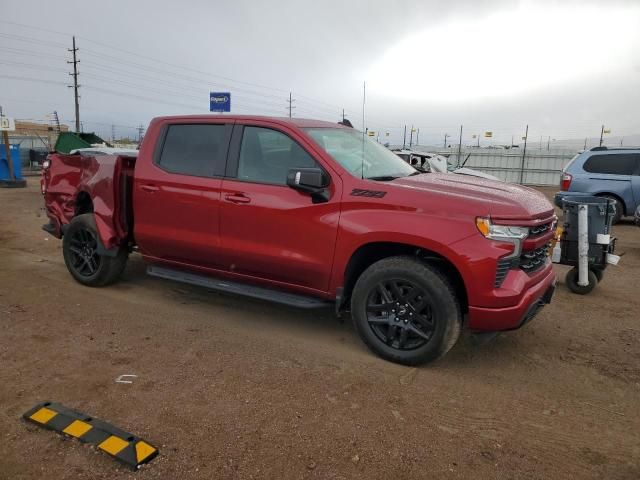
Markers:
point(534, 259)
point(539, 230)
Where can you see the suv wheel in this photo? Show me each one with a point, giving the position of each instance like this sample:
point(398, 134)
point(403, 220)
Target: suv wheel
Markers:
point(80, 251)
point(406, 311)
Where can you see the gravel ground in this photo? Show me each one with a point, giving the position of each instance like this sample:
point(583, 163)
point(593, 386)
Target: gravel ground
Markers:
point(235, 388)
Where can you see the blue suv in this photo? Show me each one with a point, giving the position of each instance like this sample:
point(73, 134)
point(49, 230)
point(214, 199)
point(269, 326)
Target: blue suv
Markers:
point(604, 172)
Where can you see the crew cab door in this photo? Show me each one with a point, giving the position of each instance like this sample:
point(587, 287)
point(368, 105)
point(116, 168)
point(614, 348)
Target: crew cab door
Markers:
point(177, 194)
point(270, 231)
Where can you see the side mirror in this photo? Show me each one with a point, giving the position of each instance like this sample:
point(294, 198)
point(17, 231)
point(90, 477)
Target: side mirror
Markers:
point(309, 180)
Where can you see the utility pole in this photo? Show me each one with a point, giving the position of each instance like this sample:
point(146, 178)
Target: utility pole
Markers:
point(445, 139)
point(75, 85)
point(460, 147)
point(291, 107)
point(511, 142)
point(417, 137)
point(113, 133)
point(411, 137)
point(140, 131)
point(548, 142)
point(601, 134)
point(404, 140)
point(524, 152)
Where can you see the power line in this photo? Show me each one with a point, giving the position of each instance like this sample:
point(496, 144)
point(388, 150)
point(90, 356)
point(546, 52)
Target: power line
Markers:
point(333, 108)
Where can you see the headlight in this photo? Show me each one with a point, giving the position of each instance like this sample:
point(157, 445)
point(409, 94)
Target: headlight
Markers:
point(503, 233)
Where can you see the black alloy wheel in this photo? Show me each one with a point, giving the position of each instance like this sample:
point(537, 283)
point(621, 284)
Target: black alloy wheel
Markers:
point(400, 314)
point(83, 253)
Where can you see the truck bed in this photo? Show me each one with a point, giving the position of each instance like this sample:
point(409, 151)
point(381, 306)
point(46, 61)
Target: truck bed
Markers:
point(102, 184)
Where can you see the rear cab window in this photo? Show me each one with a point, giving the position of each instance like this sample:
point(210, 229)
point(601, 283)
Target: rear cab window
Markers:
point(613, 164)
point(198, 150)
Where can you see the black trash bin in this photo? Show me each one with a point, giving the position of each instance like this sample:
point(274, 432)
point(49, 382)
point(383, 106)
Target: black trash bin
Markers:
point(601, 212)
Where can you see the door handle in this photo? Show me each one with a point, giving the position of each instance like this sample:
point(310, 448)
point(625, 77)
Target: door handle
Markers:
point(149, 188)
point(237, 198)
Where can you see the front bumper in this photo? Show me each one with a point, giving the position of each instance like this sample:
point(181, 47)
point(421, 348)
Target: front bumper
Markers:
point(483, 319)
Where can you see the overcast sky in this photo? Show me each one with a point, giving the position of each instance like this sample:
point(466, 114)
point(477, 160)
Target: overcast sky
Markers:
point(564, 67)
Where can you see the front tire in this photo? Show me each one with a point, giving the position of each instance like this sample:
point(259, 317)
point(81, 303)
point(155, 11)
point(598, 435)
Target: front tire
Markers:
point(80, 252)
point(406, 311)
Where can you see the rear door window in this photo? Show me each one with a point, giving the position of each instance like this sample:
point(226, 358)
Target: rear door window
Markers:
point(613, 164)
point(199, 150)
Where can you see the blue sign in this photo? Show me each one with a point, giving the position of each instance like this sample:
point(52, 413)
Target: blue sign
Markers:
point(220, 102)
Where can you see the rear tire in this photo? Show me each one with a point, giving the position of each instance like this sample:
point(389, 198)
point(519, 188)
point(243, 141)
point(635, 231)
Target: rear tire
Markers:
point(405, 311)
point(80, 252)
point(572, 282)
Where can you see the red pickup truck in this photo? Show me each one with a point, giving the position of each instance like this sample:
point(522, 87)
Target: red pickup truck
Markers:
point(310, 214)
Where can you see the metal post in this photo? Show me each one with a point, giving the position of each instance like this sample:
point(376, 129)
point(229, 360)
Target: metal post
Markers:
point(7, 149)
point(583, 245)
point(460, 147)
point(411, 137)
point(418, 137)
point(601, 134)
point(404, 140)
point(524, 152)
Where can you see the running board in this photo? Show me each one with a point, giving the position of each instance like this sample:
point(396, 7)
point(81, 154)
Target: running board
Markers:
point(291, 299)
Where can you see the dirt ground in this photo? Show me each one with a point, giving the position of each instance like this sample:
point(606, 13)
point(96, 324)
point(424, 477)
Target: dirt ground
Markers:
point(235, 388)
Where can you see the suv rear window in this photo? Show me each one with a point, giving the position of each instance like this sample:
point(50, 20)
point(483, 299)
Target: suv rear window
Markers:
point(197, 150)
point(614, 164)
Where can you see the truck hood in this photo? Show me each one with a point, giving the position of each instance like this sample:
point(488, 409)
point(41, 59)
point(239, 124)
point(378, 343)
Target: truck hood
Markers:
point(480, 196)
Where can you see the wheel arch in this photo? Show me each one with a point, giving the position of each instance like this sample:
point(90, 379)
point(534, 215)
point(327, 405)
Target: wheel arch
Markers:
point(369, 253)
point(617, 197)
point(83, 203)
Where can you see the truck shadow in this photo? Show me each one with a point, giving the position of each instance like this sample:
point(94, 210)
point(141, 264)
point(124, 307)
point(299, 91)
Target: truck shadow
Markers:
point(288, 324)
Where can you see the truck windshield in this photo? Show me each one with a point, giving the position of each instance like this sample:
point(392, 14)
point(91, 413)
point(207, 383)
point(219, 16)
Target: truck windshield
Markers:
point(361, 156)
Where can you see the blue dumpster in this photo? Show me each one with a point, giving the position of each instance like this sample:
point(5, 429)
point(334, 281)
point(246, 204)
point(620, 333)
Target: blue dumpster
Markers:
point(15, 158)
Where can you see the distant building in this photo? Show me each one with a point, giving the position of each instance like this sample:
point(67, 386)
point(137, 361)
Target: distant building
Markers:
point(33, 137)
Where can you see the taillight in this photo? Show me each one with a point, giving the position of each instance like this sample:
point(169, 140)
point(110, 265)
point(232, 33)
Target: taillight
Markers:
point(565, 181)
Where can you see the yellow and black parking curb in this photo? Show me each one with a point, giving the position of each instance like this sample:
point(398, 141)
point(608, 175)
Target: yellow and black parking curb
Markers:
point(123, 446)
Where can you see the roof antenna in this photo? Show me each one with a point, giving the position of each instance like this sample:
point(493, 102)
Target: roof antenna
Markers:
point(364, 97)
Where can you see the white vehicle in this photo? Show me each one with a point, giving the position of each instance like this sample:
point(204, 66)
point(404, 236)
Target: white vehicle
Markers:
point(433, 162)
